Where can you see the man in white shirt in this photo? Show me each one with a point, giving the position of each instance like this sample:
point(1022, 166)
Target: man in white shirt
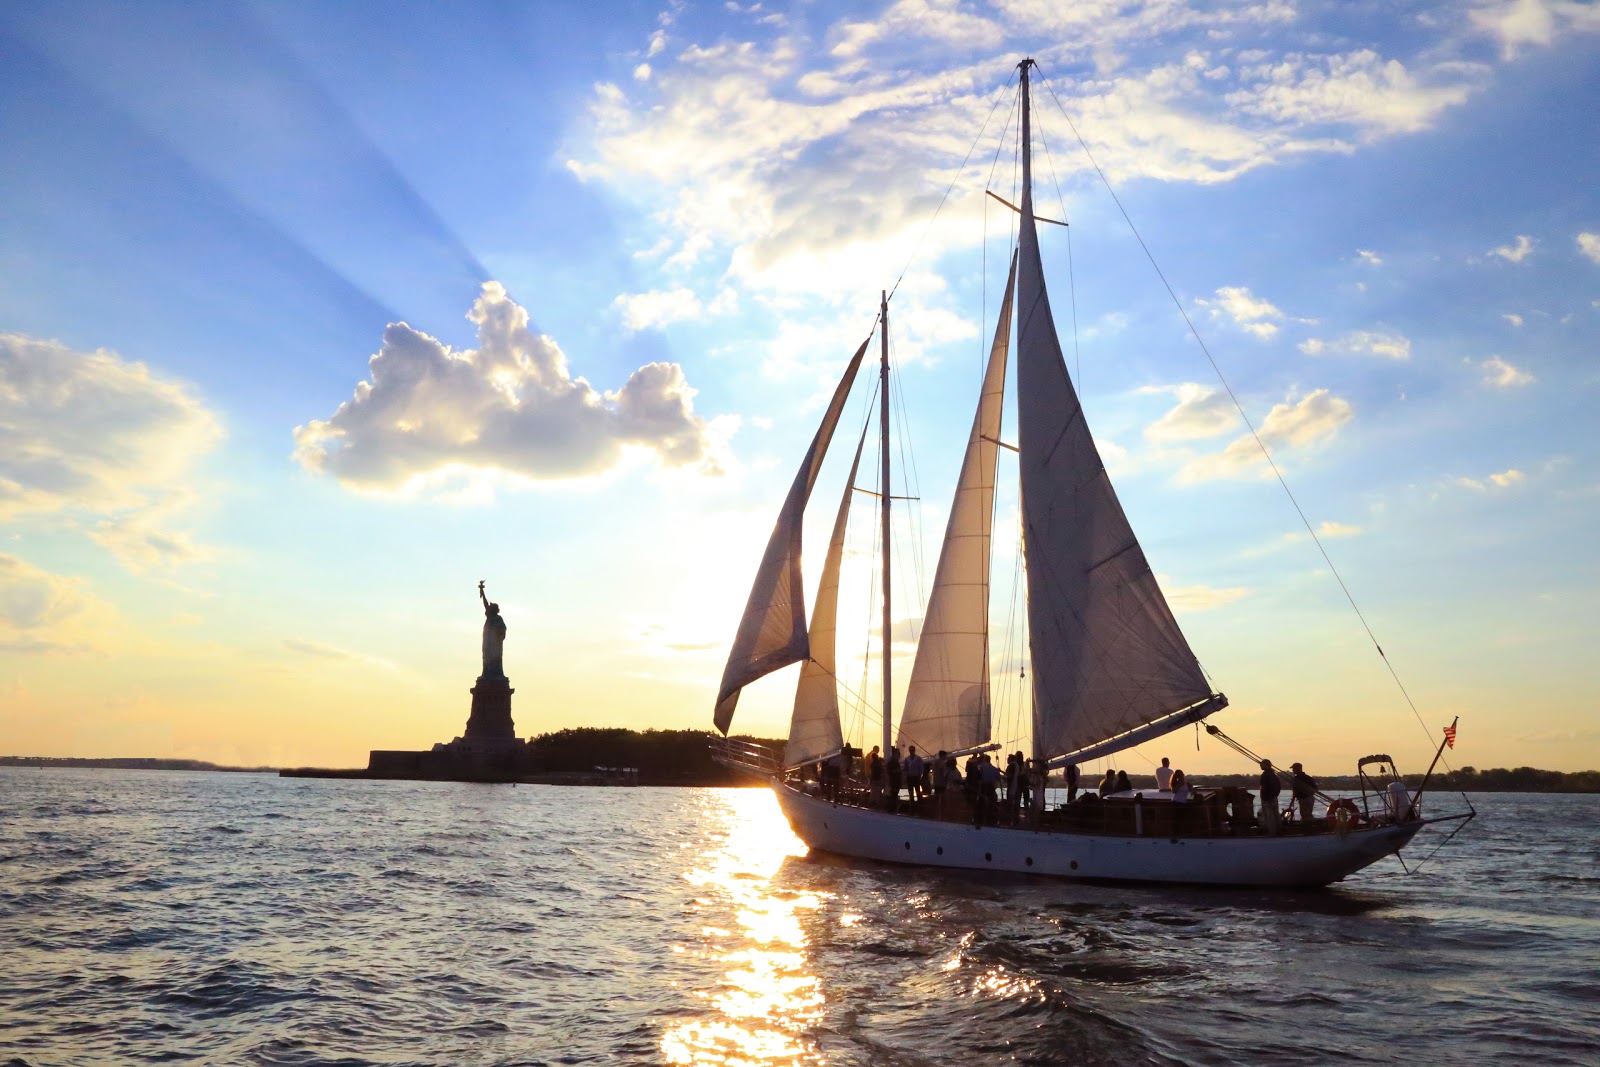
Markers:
point(1164, 776)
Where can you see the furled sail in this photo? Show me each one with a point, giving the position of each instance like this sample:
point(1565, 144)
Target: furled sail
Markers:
point(772, 633)
point(814, 729)
point(1108, 656)
point(947, 701)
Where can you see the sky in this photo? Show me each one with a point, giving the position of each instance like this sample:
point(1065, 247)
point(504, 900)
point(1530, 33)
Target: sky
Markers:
point(312, 316)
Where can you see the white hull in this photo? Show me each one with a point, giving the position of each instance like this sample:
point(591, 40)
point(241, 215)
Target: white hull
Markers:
point(1292, 860)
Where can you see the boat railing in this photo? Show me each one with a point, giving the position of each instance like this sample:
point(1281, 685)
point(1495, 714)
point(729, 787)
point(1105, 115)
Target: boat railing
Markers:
point(744, 756)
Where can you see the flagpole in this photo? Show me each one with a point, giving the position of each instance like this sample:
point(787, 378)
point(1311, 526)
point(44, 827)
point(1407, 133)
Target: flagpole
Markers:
point(1449, 736)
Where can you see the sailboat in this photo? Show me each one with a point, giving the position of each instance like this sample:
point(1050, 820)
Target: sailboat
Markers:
point(1111, 668)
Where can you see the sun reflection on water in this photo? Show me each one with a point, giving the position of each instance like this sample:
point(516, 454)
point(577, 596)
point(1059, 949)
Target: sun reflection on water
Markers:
point(769, 996)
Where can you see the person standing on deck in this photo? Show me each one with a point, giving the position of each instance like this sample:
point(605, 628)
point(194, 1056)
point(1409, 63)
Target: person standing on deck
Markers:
point(894, 771)
point(915, 766)
point(1305, 791)
point(1270, 788)
point(1072, 782)
point(941, 778)
point(875, 775)
point(1164, 776)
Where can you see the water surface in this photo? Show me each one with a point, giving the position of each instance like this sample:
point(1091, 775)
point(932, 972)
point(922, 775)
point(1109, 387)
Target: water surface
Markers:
point(153, 917)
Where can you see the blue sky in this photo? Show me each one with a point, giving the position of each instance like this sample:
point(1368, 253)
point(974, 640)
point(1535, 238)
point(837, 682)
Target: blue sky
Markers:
point(669, 225)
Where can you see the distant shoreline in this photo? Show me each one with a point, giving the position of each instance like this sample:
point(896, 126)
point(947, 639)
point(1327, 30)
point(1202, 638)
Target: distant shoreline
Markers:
point(1519, 780)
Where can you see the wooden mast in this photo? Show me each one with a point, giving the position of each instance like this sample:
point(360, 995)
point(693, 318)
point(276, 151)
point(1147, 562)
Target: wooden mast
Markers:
point(883, 419)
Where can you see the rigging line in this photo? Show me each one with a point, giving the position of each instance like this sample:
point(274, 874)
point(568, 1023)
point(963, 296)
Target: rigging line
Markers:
point(1278, 474)
point(1000, 95)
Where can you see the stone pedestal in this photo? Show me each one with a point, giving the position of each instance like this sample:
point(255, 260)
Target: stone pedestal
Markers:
point(491, 711)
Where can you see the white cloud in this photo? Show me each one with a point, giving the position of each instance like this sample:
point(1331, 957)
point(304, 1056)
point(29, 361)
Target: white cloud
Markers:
point(1314, 420)
point(1201, 412)
point(1503, 480)
point(1502, 375)
point(1248, 311)
point(510, 405)
point(93, 434)
point(42, 612)
point(1371, 259)
point(1361, 343)
point(643, 311)
point(1184, 599)
point(1534, 22)
point(641, 73)
point(1515, 253)
point(1513, 318)
point(1589, 245)
point(1362, 89)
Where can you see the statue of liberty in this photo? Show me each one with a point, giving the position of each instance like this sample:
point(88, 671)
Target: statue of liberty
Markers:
point(494, 638)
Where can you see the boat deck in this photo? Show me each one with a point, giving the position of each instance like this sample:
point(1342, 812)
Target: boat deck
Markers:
point(1228, 811)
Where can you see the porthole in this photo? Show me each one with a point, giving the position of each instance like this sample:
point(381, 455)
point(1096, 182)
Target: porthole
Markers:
point(908, 846)
point(1030, 861)
point(988, 857)
point(941, 850)
point(1074, 864)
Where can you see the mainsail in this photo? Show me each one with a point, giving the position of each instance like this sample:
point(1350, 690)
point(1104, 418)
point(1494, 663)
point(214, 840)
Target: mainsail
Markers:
point(1108, 656)
point(814, 729)
point(947, 701)
point(772, 633)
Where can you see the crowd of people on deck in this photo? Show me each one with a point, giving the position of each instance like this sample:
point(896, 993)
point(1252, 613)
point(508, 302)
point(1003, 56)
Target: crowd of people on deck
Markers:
point(1003, 797)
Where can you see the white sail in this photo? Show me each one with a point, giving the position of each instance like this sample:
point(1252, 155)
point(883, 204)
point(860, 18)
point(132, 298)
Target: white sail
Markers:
point(814, 729)
point(772, 633)
point(947, 701)
point(1108, 656)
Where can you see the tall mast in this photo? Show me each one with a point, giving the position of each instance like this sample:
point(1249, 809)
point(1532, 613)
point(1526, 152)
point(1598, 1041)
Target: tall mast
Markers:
point(1027, 220)
point(883, 419)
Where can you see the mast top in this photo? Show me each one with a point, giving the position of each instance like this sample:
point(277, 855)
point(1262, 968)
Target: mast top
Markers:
point(1025, 64)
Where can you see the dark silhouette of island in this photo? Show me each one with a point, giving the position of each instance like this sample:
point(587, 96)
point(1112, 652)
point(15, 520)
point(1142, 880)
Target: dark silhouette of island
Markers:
point(129, 763)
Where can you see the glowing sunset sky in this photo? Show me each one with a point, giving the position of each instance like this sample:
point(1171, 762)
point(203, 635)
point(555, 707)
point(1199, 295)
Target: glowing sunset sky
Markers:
point(312, 316)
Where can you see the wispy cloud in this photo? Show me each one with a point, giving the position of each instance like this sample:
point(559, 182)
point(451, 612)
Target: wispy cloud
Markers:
point(1248, 311)
point(1371, 259)
point(1516, 23)
point(1512, 317)
point(1361, 343)
point(1309, 422)
point(1504, 480)
point(89, 433)
point(1502, 375)
point(1185, 599)
point(1515, 253)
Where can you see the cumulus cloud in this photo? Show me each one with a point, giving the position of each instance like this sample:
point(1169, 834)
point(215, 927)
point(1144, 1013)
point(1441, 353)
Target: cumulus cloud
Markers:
point(1589, 245)
point(89, 433)
point(1200, 412)
point(1515, 253)
point(1289, 427)
point(509, 405)
point(1502, 375)
point(1361, 343)
point(1247, 310)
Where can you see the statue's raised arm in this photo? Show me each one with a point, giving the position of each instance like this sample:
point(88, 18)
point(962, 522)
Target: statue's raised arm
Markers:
point(494, 636)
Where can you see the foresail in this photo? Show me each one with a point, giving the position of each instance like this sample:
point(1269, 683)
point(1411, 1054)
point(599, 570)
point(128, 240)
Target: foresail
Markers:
point(772, 633)
point(814, 729)
point(1108, 656)
point(947, 701)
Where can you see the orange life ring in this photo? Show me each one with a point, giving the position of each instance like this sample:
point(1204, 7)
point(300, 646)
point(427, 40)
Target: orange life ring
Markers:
point(1344, 812)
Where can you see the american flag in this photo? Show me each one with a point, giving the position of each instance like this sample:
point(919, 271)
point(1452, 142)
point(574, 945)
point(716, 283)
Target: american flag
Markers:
point(1450, 735)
